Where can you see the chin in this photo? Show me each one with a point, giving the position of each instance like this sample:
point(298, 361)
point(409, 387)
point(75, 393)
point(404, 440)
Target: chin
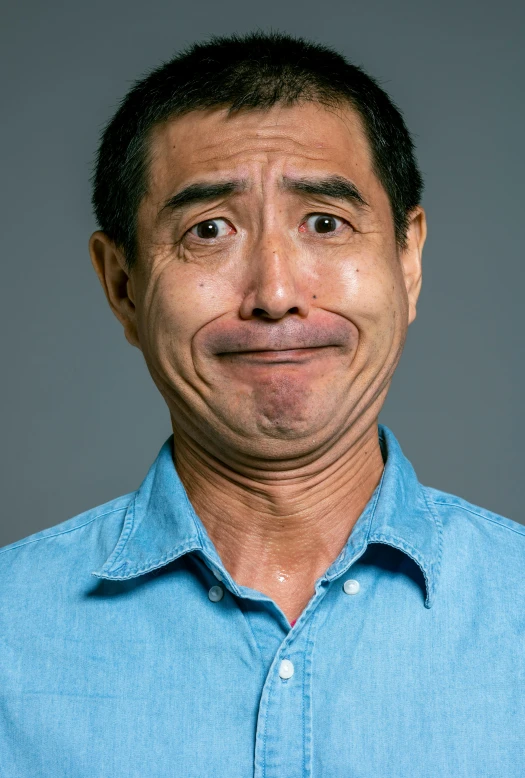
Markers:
point(309, 428)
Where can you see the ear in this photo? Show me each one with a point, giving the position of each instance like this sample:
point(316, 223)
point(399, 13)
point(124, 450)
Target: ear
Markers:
point(110, 266)
point(411, 256)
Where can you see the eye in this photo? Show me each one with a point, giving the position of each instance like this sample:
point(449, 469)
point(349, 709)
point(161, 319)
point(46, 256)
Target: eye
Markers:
point(322, 224)
point(212, 228)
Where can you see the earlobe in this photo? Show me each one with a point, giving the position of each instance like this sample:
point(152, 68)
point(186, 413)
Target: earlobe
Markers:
point(110, 267)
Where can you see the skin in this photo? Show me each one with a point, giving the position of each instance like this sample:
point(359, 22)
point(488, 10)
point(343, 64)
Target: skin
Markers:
point(273, 343)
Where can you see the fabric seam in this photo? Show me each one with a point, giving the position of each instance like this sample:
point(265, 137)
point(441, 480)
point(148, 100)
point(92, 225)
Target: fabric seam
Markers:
point(63, 532)
point(480, 516)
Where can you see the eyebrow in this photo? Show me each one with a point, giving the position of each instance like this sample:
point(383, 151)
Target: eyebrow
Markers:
point(202, 193)
point(335, 187)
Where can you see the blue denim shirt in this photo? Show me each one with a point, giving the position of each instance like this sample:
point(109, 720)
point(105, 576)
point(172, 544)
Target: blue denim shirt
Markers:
point(128, 651)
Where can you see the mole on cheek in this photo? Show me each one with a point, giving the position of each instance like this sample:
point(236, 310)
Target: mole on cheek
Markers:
point(314, 296)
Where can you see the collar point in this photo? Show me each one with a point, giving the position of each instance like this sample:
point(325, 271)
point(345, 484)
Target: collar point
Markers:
point(110, 573)
point(429, 597)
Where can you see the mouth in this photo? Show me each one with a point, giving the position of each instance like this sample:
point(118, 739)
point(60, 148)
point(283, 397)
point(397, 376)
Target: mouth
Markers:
point(283, 355)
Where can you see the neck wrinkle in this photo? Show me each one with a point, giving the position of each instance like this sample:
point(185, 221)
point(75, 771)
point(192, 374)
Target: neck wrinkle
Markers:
point(282, 531)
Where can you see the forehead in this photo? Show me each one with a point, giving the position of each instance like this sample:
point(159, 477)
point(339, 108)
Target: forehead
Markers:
point(285, 139)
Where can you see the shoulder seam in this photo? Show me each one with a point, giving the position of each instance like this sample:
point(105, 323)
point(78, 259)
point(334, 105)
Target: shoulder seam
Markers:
point(63, 532)
point(481, 516)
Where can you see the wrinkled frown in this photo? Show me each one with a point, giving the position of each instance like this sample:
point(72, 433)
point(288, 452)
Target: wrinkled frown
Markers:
point(271, 299)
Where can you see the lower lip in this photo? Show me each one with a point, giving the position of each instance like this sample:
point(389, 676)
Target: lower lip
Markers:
point(279, 357)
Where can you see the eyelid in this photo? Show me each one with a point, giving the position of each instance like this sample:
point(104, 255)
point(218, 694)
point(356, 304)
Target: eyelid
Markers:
point(209, 219)
point(317, 214)
point(308, 216)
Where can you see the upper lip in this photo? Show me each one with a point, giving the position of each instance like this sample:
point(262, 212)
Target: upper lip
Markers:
point(291, 335)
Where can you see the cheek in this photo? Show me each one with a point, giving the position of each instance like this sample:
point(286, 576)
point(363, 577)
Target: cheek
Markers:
point(178, 303)
point(362, 287)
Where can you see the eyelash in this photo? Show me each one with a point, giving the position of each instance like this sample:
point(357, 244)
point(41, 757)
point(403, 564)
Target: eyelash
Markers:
point(218, 218)
point(309, 216)
point(318, 215)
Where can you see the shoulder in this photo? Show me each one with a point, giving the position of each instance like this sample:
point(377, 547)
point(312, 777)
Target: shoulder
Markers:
point(446, 503)
point(472, 529)
point(83, 539)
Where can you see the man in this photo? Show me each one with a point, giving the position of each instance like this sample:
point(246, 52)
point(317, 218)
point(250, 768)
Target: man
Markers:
point(281, 597)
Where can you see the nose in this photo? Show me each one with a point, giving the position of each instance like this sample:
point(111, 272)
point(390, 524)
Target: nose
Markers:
point(274, 286)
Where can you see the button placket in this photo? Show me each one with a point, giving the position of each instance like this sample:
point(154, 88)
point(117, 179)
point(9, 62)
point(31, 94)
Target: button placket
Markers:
point(284, 726)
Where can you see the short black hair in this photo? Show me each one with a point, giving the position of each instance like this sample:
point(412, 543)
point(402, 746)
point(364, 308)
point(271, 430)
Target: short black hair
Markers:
point(257, 70)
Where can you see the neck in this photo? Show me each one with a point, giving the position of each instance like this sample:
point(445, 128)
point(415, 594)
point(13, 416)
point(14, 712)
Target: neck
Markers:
point(278, 533)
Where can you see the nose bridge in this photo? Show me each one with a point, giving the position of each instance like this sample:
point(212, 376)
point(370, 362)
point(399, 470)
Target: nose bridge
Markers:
point(275, 285)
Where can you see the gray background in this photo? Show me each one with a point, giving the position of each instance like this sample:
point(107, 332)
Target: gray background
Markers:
point(81, 419)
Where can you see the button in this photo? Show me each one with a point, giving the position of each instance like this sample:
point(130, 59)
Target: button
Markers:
point(286, 669)
point(216, 593)
point(351, 586)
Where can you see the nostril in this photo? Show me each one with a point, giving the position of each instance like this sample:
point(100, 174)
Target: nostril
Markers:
point(259, 312)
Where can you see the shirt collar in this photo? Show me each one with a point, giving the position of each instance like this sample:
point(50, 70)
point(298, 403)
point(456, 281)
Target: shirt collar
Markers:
point(161, 525)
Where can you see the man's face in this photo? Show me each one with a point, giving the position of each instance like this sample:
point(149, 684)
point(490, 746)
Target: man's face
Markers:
point(271, 300)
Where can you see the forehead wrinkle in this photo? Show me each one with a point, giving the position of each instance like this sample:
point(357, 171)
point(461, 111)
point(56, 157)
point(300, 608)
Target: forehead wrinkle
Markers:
point(219, 154)
point(275, 131)
point(258, 131)
point(229, 157)
point(256, 142)
point(248, 174)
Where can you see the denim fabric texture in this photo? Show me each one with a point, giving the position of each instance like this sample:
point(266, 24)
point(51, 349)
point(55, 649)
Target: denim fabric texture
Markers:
point(128, 651)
